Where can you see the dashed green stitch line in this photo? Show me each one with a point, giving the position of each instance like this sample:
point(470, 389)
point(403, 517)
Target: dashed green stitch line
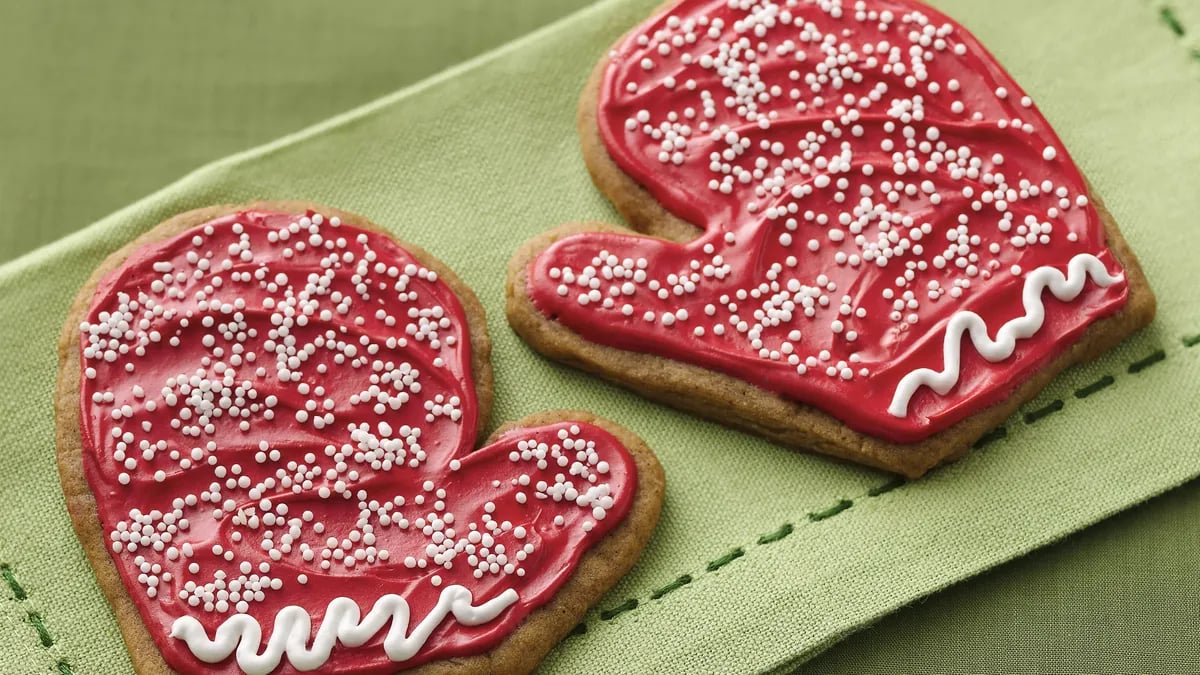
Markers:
point(33, 616)
point(680, 582)
point(40, 627)
point(1102, 383)
point(1167, 14)
point(832, 511)
point(610, 614)
point(787, 529)
point(886, 487)
point(1138, 366)
point(1045, 411)
point(772, 537)
point(1171, 20)
point(17, 591)
point(725, 559)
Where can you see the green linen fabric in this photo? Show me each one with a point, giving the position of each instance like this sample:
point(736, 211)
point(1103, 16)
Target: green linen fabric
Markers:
point(1119, 597)
point(104, 104)
point(469, 182)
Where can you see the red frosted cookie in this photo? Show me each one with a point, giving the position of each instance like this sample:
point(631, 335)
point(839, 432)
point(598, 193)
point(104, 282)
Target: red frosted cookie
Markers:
point(267, 422)
point(852, 232)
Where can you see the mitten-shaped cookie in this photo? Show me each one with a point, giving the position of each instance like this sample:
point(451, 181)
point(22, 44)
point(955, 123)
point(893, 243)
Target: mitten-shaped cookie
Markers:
point(268, 421)
point(852, 231)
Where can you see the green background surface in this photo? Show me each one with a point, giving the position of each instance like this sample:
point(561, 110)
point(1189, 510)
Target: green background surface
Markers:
point(104, 104)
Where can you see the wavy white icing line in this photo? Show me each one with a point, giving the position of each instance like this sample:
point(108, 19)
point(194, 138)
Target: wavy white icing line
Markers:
point(342, 623)
point(1065, 288)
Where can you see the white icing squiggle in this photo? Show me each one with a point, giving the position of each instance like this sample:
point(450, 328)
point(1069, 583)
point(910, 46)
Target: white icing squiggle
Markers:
point(342, 623)
point(1065, 288)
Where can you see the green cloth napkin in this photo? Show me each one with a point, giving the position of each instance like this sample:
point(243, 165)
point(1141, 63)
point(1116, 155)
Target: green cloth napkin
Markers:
point(1119, 597)
point(785, 553)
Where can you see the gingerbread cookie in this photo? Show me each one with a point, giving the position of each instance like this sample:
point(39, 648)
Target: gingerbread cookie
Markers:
point(852, 232)
point(267, 421)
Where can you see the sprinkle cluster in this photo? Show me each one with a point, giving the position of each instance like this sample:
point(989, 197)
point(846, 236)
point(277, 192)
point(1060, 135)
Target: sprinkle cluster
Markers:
point(856, 169)
point(281, 400)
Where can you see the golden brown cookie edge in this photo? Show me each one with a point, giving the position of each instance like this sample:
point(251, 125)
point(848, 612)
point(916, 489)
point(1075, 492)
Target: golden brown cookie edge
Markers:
point(527, 645)
point(739, 404)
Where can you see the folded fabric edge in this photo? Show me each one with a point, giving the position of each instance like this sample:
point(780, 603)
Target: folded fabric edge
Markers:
point(1148, 485)
point(788, 665)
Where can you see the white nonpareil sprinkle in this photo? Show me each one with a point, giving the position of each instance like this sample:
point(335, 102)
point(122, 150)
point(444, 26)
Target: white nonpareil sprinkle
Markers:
point(305, 405)
point(854, 146)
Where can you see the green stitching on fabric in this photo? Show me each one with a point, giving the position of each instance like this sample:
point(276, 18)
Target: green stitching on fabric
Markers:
point(682, 581)
point(33, 616)
point(610, 614)
point(1168, 17)
point(886, 487)
point(772, 537)
point(7, 573)
point(832, 511)
point(40, 627)
point(725, 559)
point(787, 529)
point(1138, 366)
point(1102, 383)
point(769, 538)
point(1044, 412)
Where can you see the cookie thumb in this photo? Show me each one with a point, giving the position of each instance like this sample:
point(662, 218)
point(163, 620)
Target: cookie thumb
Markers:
point(638, 287)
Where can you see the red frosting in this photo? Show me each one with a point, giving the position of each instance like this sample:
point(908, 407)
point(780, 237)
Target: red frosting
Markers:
point(868, 158)
point(311, 380)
